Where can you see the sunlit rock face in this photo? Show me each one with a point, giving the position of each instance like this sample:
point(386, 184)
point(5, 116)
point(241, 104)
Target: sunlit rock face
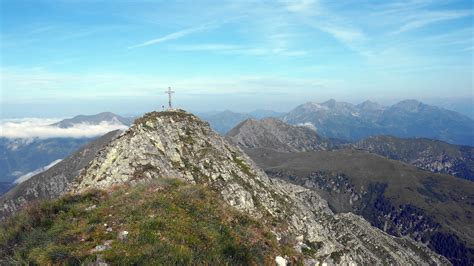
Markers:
point(176, 144)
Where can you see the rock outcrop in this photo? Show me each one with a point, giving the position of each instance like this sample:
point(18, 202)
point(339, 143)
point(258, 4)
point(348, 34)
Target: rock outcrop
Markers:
point(176, 144)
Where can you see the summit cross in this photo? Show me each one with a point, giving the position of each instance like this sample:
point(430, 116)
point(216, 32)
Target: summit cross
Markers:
point(169, 92)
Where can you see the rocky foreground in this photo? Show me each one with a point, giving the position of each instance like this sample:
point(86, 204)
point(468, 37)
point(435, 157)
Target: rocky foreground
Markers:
point(178, 145)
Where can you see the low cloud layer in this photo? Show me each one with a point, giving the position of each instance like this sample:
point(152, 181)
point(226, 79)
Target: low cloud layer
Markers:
point(40, 128)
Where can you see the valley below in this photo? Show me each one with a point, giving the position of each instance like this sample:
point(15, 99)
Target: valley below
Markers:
point(397, 198)
point(304, 197)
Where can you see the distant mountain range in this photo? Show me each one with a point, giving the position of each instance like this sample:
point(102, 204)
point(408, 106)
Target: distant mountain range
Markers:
point(408, 118)
point(394, 196)
point(432, 155)
point(94, 120)
point(332, 120)
point(172, 191)
point(350, 123)
point(224, 121)
point(20, 157)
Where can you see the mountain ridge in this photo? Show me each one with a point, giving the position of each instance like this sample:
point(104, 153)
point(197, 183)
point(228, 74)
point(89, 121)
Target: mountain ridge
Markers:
point(404, 119)
point(384, 191)
point(251, 133)
point(176, 144)
point(95, 119)
point(433, 155)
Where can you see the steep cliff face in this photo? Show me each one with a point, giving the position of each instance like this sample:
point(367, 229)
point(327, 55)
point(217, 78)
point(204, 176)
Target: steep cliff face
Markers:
point(176, 144)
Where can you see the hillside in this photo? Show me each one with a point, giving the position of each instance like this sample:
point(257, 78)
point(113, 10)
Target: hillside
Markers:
point(432, 155)
point(276, 134)
point(405, 119)
point(395, 197)
point(171, 223)
point(55, 181)
point(178, 145)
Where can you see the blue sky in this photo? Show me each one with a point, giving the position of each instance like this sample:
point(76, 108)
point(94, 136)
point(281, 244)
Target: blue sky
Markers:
point(65, 57)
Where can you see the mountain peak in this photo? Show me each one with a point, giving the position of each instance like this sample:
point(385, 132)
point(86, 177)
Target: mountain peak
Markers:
point(331, 103)
point(171, 144)
point(369, 105)
point(338, 106)
point(275, 134)
point(172, 115)
point(96, 119)
point(409, 105)
point(178, 145)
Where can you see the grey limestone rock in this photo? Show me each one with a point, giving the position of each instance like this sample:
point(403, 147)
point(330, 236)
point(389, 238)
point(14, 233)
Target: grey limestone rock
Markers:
point(176, 144)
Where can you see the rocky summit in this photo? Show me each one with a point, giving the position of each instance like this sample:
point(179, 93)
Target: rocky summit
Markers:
point(178, 145)
point(275, 134)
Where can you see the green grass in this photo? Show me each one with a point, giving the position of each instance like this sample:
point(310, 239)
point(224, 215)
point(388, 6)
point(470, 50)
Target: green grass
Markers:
point(242, 165)
point(168, 222)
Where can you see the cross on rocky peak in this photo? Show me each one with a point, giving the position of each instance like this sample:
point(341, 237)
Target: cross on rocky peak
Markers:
point(169, 92)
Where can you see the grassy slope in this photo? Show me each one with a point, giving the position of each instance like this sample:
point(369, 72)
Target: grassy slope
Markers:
point(406, 148)
point(414, 149)
point(441, 196)
point(168, 223)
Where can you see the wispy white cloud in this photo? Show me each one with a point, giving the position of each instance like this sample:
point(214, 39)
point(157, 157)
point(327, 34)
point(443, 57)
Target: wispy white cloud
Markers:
point(87, 86)
point(175, 35)
point(397, 7)
point(347, 35)
point(319, 16)
point(253, 85)
point(300, 6)
point(426, 18)
point(42, 29)
point(27, 176)
point(230, 49)
point(47, 83)
point(206, 47)
point(40, 128)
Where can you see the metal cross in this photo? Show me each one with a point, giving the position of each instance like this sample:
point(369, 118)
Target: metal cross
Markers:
point(169, 92)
